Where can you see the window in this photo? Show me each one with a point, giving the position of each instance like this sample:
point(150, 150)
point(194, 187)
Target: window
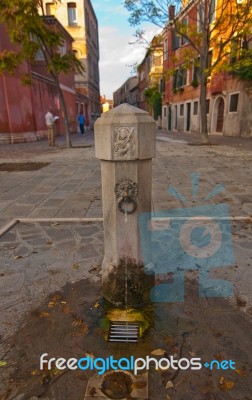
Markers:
point(165, 49)
point(182, 77)
point(175, 40)
point(196, 71)
point(201, 16)
point(164, 111)
point(174, 81)
point(235, 49)
point(50, 9)
point(181, 110)
point(233, 105)
point(72, 14)
point(184, 29)
point(162, 85)
point(179, 78)
point(195, 108)
point(62, 48)
point(39, 56)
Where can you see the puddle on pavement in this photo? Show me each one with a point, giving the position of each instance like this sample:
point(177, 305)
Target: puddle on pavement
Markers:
point(26, 166)
point(70, 324)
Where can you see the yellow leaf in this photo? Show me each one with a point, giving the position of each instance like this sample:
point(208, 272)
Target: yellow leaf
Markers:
point(35, 372)
point(55, 224)
point(44, 314)
point(97, 305)
point(51, 304)
point(240, 372)
point(225, 384)
point(17, 257)
point(76, 266)
point(3, 363)
point(158, 352)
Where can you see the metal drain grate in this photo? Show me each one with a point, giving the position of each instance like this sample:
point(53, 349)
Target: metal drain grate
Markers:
point(123, 332)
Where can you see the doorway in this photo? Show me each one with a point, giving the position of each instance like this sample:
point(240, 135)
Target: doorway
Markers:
point(188, 117)
point(169, 118)
point(220, 115)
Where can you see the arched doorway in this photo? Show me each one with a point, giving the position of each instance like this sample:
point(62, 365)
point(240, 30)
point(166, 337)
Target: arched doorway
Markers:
point(218, 115)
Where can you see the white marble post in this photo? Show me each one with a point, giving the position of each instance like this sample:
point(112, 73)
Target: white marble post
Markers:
point(125, 143)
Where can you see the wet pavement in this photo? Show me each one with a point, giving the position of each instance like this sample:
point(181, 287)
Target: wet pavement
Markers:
point(50, 277)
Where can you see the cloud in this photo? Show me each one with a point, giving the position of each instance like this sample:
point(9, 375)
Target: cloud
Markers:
point(115, 54)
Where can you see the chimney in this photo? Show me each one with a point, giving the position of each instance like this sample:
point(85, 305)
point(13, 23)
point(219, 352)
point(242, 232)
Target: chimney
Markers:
point(171, 12)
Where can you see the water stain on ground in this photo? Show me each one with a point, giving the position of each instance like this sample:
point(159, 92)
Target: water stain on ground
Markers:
point(70, 324)
point(26, 166)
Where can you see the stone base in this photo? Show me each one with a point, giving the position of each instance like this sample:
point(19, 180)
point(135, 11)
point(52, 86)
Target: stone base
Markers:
point(22, 137)
point(139, 387)
point(127, 284)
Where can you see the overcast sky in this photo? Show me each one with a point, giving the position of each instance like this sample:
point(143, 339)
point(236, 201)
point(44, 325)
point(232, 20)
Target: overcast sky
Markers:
point(116, 53)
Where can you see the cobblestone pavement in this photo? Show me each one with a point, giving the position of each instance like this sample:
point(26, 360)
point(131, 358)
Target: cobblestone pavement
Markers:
point(39, 259)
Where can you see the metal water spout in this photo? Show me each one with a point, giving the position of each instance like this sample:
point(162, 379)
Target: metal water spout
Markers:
point(125, 143)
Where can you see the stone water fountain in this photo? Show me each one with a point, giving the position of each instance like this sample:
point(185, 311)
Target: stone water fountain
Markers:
point(125, 143)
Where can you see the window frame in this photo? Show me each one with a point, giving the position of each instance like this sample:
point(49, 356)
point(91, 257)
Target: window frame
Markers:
point(72, 21)
point(229, 104)
point(195, 107)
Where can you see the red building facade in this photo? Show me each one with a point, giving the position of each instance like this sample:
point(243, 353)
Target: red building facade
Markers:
point(22, 108)
point(229, 100)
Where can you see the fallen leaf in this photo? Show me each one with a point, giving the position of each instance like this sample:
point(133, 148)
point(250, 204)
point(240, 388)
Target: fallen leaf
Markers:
point(3, 363)
point(17, 257)
point(51, 304)
point(76, 266)
point(66, 310)
point(35, 372)
point(158, 352)
point(44, 314)
point(97, 305)
point(78, 322)
point(225, 384)
point(63, 302)
point(240, 372)
point(55, 371)
point(82, 328)
point(169, 385)
point(55, 224)
point(49, 242)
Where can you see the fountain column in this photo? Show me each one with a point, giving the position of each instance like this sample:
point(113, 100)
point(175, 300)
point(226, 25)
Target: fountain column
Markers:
point(125, 142)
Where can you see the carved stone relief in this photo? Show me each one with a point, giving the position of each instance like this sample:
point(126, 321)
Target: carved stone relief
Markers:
point(124, 143)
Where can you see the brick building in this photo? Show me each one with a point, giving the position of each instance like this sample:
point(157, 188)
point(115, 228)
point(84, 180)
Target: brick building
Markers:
point(22, 108)
point(229, 100)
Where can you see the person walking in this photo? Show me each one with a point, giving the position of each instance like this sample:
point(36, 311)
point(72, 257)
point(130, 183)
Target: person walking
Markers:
point(50, 119)
point(81, 120)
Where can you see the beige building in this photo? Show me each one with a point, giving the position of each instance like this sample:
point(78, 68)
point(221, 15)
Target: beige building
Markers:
point(127, 93)
point(80, 21)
